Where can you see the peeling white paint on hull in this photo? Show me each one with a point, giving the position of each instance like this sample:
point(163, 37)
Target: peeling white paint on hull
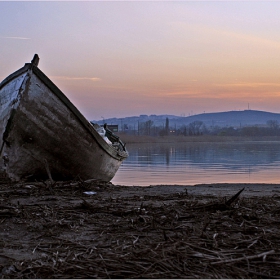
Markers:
point(40, 126)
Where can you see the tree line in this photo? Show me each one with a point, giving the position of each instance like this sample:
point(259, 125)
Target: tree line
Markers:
point(198, 128)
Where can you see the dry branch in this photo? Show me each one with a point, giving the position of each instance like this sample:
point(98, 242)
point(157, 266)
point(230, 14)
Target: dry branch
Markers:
point(219, 206)
point(245, 257)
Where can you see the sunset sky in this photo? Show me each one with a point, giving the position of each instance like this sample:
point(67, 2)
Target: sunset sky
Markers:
point(118, 59)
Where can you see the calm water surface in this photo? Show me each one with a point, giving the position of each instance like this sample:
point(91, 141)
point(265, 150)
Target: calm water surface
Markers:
point(198, 163)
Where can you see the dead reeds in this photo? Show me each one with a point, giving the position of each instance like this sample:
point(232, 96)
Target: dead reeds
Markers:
point(62, 232)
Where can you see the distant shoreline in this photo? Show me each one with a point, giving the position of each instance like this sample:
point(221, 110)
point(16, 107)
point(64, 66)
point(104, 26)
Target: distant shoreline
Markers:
point(129, 139)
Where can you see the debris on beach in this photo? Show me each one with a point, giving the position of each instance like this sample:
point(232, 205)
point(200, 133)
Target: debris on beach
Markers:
point(57, 230)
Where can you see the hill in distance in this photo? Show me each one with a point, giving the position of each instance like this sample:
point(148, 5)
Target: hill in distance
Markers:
point(221, 119)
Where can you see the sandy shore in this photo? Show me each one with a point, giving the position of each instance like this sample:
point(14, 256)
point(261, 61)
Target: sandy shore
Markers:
point(216, 190)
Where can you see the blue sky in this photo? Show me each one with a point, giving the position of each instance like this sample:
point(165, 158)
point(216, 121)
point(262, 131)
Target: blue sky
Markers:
point(125, 58)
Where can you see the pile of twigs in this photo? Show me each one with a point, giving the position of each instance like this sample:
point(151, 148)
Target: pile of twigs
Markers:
point(59, 231)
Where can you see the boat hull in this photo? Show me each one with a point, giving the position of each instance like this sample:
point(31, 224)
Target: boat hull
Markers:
point(44, 134)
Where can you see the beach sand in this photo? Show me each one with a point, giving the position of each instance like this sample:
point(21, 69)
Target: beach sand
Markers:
point(218, 190)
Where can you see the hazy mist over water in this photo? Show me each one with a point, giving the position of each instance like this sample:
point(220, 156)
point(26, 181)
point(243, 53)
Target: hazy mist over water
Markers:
point(199, 163)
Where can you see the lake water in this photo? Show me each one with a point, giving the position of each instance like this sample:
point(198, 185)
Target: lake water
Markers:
point(199, 163)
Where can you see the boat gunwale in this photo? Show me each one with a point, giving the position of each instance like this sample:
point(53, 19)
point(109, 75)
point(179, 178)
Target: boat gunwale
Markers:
point(15, 74)
point(119, 155)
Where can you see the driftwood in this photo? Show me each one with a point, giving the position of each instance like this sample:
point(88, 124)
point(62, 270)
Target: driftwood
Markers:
point(219, 206)
point(48, 171)
point(65, 233)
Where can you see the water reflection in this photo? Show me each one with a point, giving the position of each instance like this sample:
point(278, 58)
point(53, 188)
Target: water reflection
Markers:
point(194, 163)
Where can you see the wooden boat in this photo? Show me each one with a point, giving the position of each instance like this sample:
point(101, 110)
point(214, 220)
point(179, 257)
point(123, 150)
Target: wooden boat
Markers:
point(43, 134)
